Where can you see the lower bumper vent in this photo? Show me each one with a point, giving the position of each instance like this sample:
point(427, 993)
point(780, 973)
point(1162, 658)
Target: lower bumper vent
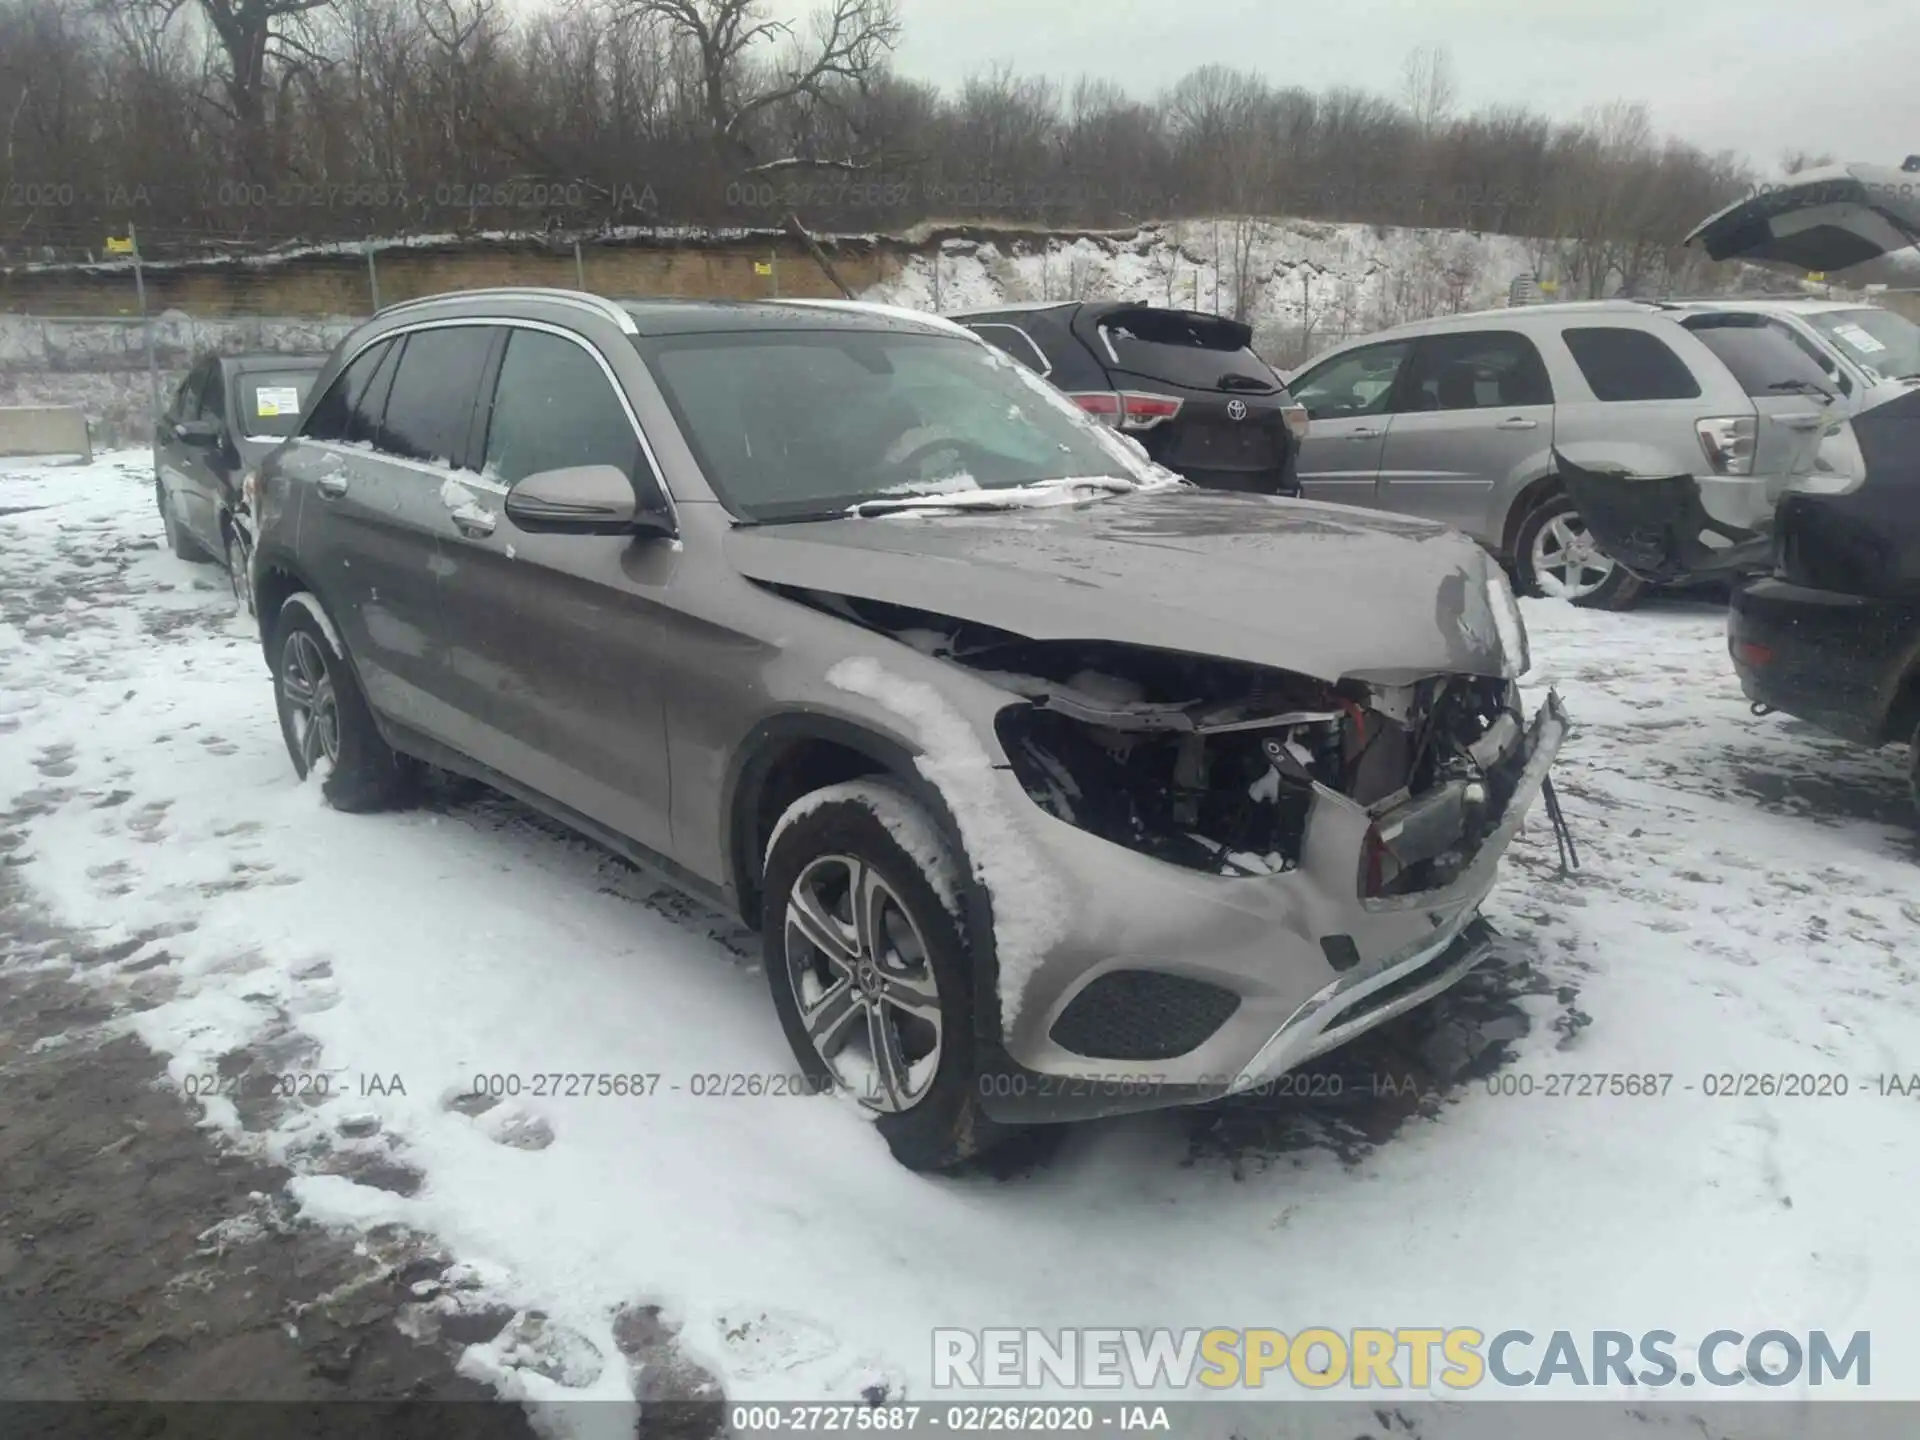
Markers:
point(1142, 1015)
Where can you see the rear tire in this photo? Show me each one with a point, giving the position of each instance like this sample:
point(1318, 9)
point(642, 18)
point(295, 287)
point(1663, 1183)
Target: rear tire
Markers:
point(827, 850)
point(178, 540)
point(325, 720)
point(1547, 560)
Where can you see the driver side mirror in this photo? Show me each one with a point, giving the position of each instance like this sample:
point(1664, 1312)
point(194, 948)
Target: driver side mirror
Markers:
point(584, 500)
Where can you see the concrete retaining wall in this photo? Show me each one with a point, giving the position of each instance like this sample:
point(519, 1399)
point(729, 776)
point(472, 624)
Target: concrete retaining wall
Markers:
point(44, 430)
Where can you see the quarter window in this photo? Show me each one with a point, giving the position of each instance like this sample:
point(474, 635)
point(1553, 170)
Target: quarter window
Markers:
point(1012, 341)
point(553, 407)
point(1623, 364)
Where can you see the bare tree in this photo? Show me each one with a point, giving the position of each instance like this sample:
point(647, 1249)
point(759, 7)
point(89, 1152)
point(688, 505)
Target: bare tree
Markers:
point(848, 47)
point(263, 48)
point(1792, 162)
point(1427, 88)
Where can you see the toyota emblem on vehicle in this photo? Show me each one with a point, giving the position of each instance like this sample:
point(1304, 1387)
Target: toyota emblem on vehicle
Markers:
point(1236, 409)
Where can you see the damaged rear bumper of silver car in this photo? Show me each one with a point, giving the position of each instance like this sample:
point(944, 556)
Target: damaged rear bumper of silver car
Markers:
point(1292, 965)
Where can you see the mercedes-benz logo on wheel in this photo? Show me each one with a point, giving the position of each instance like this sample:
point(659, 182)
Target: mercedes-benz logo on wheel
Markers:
point(1236, 409)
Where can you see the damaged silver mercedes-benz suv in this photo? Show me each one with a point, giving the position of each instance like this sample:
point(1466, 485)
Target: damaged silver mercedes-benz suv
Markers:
point(1055, 786)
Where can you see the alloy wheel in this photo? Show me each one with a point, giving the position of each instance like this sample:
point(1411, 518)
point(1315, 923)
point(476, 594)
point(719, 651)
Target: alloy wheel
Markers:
point(864, 983)
point(1566, 563)
point(312, 708)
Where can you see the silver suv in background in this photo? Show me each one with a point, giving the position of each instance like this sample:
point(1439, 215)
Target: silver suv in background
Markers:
point(1459, 419)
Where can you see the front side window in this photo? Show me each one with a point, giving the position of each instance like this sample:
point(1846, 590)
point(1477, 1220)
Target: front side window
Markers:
point(1360, 382)
point(803, 423)
point(1482, 370)
point(186, 400)
point(340, 415)
point(429, 410)
point(1876, 340)
point(213, 396)
point(1622, 364)
point(553, 407)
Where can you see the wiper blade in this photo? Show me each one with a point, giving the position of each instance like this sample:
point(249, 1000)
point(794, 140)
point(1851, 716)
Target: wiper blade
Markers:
point(1801, 387)
point(1011, 497)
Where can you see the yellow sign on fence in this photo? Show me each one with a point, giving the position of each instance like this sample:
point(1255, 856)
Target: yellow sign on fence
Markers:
point(763, 267)
point(119, 245)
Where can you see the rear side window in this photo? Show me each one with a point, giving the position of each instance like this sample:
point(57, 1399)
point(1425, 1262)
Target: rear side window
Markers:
point(270, 400)
point(1623, 364)
point(334, 417)
point(1763, 360)
point(1012, 341)
point(1482, 370)
point(554, 407)
point(1200, 352)
point(430, 408)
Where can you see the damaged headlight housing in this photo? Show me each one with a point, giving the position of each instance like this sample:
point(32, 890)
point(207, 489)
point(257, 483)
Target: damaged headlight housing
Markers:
point(1510, 625)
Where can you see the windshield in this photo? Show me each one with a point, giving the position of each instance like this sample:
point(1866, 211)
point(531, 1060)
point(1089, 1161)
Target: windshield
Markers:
point(270, 401)
point(800, 424)
point(1876, 340)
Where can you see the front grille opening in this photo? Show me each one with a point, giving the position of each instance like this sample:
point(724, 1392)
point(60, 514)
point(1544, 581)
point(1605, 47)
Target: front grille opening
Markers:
point(1142, 1015)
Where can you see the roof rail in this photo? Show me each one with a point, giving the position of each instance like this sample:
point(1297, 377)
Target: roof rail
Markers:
point(599, 304)
point(1728, 296)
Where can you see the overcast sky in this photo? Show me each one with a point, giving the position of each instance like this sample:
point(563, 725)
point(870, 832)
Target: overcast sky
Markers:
point(1756, 76)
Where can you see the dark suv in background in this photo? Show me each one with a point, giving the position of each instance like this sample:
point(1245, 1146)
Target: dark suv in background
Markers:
point(1186, 385)
point(227, 414)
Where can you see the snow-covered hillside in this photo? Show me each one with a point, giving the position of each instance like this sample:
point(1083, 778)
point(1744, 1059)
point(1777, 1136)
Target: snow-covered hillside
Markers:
point(1302, 284)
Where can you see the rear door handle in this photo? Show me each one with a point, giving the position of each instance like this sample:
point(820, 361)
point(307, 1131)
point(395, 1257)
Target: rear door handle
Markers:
point(472, 520)
point(1518, 422)
point(332, 486)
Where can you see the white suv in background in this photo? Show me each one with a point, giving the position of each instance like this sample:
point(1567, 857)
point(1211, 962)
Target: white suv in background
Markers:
point(1467, 419)
point(1870, 354)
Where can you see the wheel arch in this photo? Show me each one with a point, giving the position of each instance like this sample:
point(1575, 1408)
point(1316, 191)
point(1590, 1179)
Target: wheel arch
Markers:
point(790, 755)
point(1528, 499)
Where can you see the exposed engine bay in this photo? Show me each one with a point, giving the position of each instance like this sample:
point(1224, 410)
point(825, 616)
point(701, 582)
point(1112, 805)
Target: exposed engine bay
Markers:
point(1214, 765)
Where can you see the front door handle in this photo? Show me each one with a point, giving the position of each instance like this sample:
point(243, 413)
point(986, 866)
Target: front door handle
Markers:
point(1363, 434)
point(331, 486)
point(1518, 422)
point(474, 521)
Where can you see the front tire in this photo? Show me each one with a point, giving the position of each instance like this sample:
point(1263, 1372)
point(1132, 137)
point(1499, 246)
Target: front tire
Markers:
point(239, 571)
point(325, 720)
point(871, 974)
point(1554, 555)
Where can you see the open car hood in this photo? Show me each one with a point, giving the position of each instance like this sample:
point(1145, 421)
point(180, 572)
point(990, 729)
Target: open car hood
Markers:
point(1321, 590)
point(1828, 219)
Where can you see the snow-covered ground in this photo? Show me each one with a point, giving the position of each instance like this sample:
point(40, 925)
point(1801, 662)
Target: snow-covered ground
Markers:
point(1748, 902)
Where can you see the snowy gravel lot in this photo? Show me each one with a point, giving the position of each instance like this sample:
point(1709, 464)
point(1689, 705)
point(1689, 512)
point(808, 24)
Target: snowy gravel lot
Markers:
point(329, 987)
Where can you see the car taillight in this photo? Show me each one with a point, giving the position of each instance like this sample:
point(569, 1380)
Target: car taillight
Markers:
point(1102, 405)
point(1140, 411)
point(1755, 655)
point(1126, 409)
point(1729, 442)
point(1297, 420)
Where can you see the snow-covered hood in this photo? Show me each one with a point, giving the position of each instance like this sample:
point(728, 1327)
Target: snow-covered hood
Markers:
point(1322, 590)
